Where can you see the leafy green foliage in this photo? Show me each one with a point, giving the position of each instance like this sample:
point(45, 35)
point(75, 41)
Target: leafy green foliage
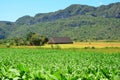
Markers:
point(55, 64)
point(30, 39)
point(36, 39)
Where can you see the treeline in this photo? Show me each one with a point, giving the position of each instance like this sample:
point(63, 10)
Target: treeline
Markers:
point(31, 39)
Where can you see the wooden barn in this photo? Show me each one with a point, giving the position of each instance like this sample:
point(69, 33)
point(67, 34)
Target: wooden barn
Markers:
point(60, 40)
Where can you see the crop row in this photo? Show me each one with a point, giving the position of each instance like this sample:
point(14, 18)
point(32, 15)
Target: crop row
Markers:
point(51, 64)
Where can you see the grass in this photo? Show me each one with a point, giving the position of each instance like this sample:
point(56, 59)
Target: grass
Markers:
point(99, 44)
point(88, 44)
point(60, 64)
point(75, 45)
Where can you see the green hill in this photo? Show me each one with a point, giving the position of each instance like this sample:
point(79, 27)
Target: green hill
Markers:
point(80, 22)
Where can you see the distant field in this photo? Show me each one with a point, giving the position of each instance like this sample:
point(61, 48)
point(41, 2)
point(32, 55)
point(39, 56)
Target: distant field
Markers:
point(87, 44)
point(59, 64)
point(75, 45)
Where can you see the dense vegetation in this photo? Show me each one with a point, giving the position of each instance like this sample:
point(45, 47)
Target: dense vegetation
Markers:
point(78, 28)
point(55, 64)
point(31, 39)
point(80, 22)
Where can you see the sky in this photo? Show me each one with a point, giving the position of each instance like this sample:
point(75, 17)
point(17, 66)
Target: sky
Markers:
point(11, 10)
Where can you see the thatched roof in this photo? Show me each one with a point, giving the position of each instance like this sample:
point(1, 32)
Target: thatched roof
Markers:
point(60, 40)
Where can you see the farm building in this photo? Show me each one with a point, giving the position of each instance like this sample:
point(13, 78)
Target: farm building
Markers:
point(60, 40)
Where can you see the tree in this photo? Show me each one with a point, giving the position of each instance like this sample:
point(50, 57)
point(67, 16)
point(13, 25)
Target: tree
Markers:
point(18, 41)
point(36, 39)
point(29, 35)
point(43, 40)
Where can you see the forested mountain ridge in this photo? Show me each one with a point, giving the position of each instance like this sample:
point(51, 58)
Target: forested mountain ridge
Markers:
point(107, 11)
point(80, 22)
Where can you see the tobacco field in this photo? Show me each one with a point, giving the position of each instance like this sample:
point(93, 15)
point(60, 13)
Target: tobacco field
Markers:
point(59, 64)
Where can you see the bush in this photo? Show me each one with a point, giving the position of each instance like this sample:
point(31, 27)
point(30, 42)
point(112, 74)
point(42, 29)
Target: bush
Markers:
point(86, 47)
point(8, 45)
point(92, 47)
